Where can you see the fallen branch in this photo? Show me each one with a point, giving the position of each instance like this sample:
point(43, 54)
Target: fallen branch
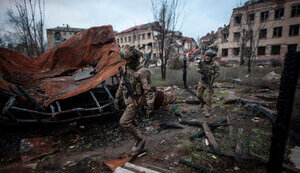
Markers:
point(258, 108)
point(164, 126)
point(197, 166)
point(212, 140)
point(222, 122)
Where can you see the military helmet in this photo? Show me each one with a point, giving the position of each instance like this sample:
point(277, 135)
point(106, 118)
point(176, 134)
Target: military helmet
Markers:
point(210, 53)
point(130, 53)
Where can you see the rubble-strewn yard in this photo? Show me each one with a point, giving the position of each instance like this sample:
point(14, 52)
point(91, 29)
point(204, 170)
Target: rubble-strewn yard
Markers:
point(82, 146)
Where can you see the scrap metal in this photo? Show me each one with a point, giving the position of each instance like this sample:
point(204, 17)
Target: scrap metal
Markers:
point(37, 85)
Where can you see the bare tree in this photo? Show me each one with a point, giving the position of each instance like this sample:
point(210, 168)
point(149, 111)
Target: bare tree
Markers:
point(251, 33)
point(28, 19)
point(167, 14)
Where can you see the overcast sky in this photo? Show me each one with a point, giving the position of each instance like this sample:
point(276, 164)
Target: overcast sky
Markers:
point(200, 16)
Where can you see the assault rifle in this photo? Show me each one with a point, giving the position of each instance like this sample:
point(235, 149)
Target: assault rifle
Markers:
point(206, 76)
point(128, 86)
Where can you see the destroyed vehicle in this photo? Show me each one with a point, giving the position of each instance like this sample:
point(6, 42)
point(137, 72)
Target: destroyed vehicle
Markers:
point(74, 80)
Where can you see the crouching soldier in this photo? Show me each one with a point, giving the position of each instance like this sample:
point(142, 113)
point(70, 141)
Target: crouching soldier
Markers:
point(139, 79)
point(209, 71)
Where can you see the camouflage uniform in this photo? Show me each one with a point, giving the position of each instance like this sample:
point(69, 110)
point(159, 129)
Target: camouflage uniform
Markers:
point(140, 81)
point(212, 68)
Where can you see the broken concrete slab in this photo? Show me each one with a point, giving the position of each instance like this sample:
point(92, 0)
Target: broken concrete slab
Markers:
point(295, 157)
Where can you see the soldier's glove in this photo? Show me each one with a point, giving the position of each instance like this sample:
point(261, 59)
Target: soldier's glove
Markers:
point(116, 104)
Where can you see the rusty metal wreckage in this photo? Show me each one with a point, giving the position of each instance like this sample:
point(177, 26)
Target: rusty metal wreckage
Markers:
point(66, 83)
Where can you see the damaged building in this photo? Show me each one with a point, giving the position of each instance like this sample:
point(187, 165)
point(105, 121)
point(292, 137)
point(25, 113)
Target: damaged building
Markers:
point(273, 26)
point(59, 34)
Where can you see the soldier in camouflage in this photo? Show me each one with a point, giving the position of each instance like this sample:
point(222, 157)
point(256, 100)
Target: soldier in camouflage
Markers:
point(211, 68)
point(140, 81)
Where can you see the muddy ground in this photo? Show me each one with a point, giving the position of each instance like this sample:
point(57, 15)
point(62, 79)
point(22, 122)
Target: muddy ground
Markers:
point(82, 146)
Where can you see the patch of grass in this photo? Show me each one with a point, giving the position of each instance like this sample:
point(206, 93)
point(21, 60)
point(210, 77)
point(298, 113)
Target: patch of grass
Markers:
point(261, 132)
point(187, 147)
point(197, 155)
point(236, 109)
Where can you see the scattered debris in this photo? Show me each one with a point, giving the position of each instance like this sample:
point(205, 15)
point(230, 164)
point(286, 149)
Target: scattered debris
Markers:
point(272, 76)
point(253, 107)
point(236, 168)
point(137, 168)
point(197, 166)
point(36, 147)
point(295, 157)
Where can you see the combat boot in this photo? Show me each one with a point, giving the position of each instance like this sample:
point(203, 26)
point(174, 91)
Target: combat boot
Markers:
point(137, 147)
point(207, 112)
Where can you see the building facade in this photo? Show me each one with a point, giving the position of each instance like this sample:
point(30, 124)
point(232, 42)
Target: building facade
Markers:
point(142, 37)
point(60, 34)
point(266, 29)
point(206, 41)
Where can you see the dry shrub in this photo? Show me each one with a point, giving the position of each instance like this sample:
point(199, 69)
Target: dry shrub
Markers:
point(175, 63)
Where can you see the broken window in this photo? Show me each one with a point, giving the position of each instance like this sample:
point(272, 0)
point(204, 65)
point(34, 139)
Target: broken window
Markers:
point(275, 50)
point(264, 16)
point(149, 35)
point(251, 17)
point(236, 51)
point(154, 45)
point(236, 36)
point(125, 40)
point(129, 38)
point(277, 31)
point(121, 40)
point(57, 37)
point(139, 37)
point(261, 50)
point(263, 33)
point(238, 19)
point(154, 55)
point(294, 30)
point(292, 47)
point(143, 36)
point(118, 40)
point(295, 10)
point(134, 37)
point(224, 52)
point(279, 13)
point(225, 37)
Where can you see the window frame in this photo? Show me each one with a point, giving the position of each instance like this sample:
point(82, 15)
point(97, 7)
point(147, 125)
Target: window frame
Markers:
point(272, 50)
point(259, 50)
point(235, 38)
point(276, 32)
point(278, 11)
point(223, 53)
point(293, 33)
point(297, 10)
point(260, 33)
point(264, 15)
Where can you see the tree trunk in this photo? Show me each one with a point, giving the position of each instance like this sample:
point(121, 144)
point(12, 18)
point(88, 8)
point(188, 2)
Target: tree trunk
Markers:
point(242, 62)
point(280, 129)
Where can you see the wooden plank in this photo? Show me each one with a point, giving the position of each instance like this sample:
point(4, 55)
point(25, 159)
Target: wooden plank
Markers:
point(238, 147)
point(211, 138)
point(137, 168)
